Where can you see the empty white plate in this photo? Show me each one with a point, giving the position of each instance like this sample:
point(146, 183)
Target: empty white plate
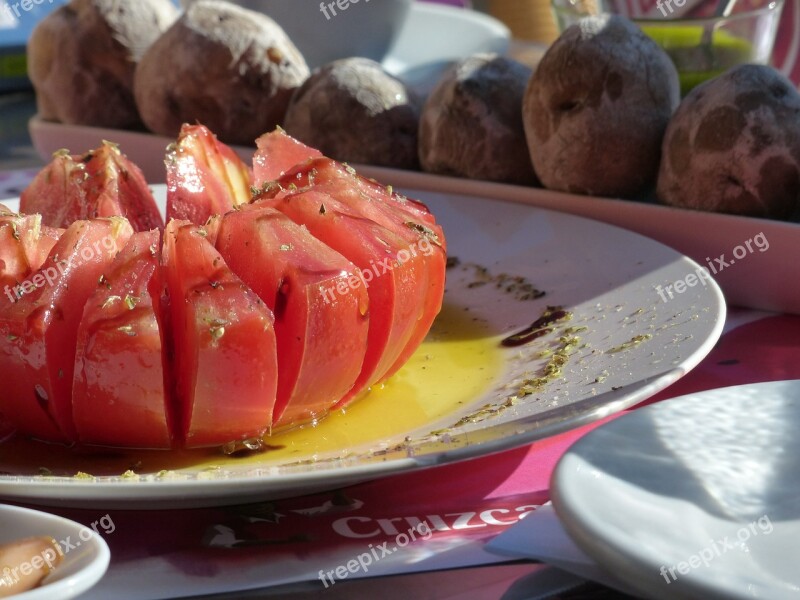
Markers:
point(695, 497)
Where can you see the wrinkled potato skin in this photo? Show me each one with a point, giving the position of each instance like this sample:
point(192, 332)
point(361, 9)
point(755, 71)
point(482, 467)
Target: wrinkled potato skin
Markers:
point(471, 124)
point(733, 146)
point(596, 109)
point(231, 69)
point(82, 58)
point(353, 111)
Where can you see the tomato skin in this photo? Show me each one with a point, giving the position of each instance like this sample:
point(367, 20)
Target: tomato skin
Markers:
point(24, 246)
point(101, 183)
point(321, 335)
point(204, 176)
point(38, 332)
point(277, 153)
point(408, 219)
point(375, 201)
point(56, 192)
point(224, 364)
point(115, 186)
point(119, 396)
point(392, 282)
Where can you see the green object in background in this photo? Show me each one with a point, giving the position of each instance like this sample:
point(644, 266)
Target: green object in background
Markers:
point(695, 60)
point(13, 65)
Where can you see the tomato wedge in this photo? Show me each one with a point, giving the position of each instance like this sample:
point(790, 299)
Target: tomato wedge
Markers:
point(119, 396)
point(389, 271)
point(321, 332)
point(204, 176)
point(56, 192)
point(282, 158)
point(24, 246)
point(407, 219)
point(224, 351)
point(38, 332)
point(101, 183)
point(277, 153)
point(115, 186)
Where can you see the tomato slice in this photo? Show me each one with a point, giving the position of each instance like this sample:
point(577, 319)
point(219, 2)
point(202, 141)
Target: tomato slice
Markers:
point(409, 220)
point(119, 396)
point(204, 176)
point(101, 183)
point(56, 192)
point(38, 332)
point(225, 366)
point(389, 271)
point(321, 333)
point(24, 246)
point(277, 153)
point(380, 203)
point(115, 186)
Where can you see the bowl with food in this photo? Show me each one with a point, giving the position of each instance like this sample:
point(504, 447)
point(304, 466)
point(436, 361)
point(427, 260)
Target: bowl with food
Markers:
point(326, 31)
point(46, 556)
point(703, 38)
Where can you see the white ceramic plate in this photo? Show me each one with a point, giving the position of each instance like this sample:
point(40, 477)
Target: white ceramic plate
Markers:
point(605, 276)
point(695, 497)
point(82, 566)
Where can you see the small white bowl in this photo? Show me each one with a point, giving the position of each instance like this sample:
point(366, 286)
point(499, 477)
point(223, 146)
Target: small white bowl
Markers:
point(82, 567)
point(326, 31)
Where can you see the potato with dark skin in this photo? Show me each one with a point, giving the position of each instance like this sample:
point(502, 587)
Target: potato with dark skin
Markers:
point(82, 57)
point(596, 109)
point(733, 146)
point(354, 111)
point(231, 69)
point(471, 124)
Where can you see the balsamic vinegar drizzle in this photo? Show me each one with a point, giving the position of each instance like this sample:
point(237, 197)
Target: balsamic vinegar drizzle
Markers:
point(540, 327)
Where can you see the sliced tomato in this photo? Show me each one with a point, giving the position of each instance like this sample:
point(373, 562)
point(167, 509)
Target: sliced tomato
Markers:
point(380, 203)
point(101, 183)
point(119, 396)
point(410, 220)
point(204, 176)
point(24, 246)
point(56, 192)
point(389, 271)
point(277, 153)
point(115, 186)
point(38, 332)
point(321, 332)
point(225, 363)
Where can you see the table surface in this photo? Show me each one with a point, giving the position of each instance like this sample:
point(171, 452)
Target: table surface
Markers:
point(763, 349)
